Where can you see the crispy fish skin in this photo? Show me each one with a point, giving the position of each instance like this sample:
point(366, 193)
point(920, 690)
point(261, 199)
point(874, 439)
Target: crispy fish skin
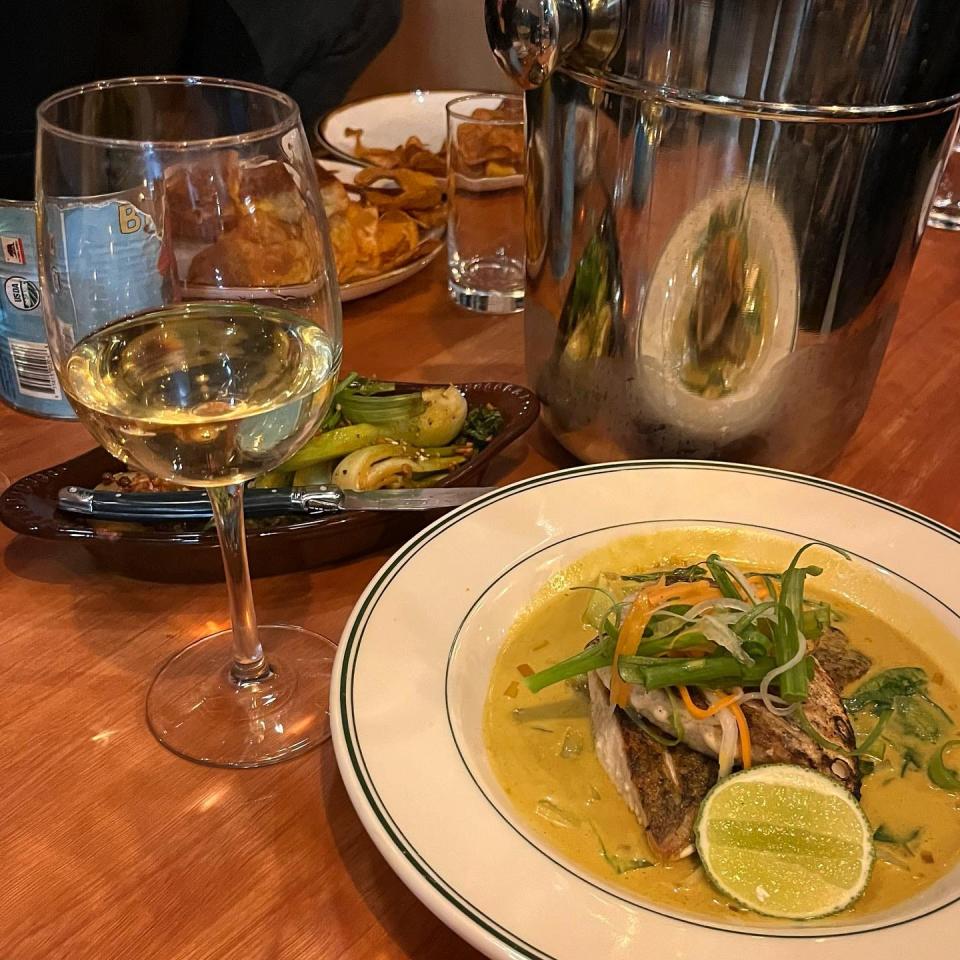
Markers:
point(843, 663)
point(781, 740)
point(663, 786)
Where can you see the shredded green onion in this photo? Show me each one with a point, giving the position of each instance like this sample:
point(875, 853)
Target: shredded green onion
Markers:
point(593, 658)
point(616, 863)
point(722, 579)
point(688, 574)
point(863, 750)
point(946, 778)
point(713, 673)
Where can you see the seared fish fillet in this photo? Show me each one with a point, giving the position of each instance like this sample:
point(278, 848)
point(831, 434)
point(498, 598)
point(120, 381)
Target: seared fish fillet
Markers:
point(780, 740)
point(843, 663)
point(663, 786)
point(775, 739)
point(655, 706)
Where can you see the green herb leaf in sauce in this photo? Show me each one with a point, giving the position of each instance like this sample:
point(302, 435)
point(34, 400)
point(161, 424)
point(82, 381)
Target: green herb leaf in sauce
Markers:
point(916, 720)
point(883, 834)
point(619, 864)
point(880, 691)
point(556, 815)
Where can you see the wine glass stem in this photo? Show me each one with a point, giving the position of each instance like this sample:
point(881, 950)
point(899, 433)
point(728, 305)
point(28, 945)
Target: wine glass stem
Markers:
point(249, 663)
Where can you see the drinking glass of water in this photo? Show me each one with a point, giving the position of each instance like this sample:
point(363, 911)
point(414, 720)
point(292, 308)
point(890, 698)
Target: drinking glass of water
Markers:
point(945, 210)
point(485, 233)
point(193, 319)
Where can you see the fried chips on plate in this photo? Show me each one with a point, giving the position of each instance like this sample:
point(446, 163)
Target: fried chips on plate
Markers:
point(412, 155)
point(385, 219)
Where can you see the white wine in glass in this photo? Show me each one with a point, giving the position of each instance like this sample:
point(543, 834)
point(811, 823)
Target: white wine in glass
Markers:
point(203, 393)
point(193, 317)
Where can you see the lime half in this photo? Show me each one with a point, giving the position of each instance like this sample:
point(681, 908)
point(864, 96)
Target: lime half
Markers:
point(785, 841)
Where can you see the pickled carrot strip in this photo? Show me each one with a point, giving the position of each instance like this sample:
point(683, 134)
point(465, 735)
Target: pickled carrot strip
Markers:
point(699, 712)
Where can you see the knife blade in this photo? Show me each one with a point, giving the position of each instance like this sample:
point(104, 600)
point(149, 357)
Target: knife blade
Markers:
point(194, 504)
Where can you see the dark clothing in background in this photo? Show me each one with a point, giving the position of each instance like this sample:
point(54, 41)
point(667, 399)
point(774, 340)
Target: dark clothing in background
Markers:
point(311, 49)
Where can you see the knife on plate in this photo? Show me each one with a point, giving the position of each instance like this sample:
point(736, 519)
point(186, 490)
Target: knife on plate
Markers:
point(194, 505)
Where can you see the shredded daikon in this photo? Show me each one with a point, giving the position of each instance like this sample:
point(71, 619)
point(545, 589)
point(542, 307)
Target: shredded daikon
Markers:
point(724, 637)
point(729, 739)
point(756, 695)
point(742, 581)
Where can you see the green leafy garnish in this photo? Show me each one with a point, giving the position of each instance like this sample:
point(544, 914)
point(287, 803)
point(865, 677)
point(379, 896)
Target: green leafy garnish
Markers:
point(884, 834)
point(920, 718)
point(880, 692)
point(483, 424)
point(721, 578)
point(606, 597)
point(916, 720)
point(909, 759)
point(690, 574)
point(795, 682)
point(864, 750)
point(594, 657)
point(946, 778)
point(715, 672)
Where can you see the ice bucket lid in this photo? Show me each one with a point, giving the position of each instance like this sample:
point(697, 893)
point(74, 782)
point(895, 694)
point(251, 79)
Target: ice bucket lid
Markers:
point(862, 57)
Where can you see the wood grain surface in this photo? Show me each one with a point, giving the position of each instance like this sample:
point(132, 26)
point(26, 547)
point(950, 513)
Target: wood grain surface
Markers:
point(114, 848)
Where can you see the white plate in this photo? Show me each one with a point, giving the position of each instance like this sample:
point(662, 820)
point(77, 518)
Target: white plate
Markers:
point(388, 121)
point(412, 671)
point(356, 289)
point(346, 173)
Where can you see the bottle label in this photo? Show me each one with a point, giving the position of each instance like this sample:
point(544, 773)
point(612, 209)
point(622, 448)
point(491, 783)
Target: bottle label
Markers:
point(106, 262)
point(28, 380)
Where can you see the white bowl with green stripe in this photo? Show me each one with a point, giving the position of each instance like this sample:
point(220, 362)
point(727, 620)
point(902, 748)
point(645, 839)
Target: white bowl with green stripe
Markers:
point(411, 678)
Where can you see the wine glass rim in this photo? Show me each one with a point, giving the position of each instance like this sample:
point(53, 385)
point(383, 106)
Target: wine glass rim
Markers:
point(454, 107)
point(290, 121)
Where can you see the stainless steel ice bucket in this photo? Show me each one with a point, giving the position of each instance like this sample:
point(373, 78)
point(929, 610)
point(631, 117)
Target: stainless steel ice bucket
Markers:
point(724, 200)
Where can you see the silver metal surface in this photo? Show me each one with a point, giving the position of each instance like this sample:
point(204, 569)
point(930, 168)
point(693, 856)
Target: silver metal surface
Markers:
point(195, 505)
point(724, 200)
point(75, 500)
point(528, 37)
point(425, 498)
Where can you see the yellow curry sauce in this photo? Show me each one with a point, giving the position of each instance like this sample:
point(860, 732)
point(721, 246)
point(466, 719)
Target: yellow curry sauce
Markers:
point(541, 746)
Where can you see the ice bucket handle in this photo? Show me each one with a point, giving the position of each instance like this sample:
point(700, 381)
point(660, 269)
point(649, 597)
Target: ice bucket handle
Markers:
point(529, 38)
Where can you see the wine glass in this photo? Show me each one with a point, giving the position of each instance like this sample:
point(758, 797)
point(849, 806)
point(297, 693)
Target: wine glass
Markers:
point(194, 321)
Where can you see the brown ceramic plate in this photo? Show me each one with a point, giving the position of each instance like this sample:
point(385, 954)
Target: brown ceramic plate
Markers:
point(188, 552)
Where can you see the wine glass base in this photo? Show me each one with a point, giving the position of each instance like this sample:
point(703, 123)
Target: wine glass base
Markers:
point(198, 710)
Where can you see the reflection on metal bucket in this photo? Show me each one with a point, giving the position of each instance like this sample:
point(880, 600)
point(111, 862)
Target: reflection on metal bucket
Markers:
point(723, 205)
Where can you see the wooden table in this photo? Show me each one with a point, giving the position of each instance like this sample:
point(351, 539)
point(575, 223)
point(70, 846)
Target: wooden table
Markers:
point(115, 848)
